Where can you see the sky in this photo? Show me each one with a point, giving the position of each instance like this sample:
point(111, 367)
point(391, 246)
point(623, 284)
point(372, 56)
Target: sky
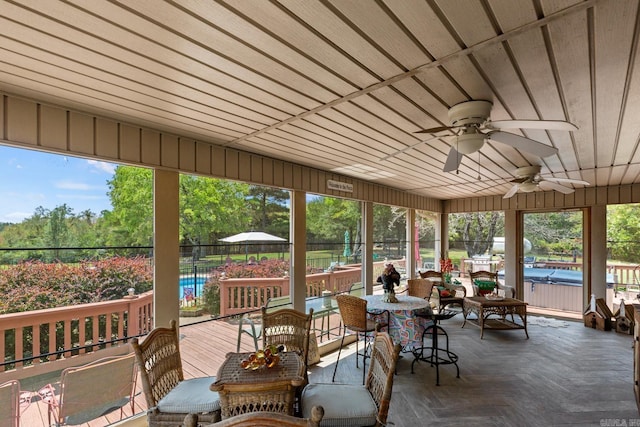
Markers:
point(29, 179)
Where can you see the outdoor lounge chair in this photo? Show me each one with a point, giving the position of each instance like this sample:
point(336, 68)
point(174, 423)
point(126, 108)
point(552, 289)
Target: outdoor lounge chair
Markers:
point(10, 404)
point(90, 391)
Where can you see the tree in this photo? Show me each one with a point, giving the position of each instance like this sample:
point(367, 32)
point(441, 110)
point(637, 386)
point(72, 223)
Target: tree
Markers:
point(211, 208)
point(131, 194)
point(57, 230)
point(553, 231)
point(475, 231)
point(623, 232)
point(329, 217)
point(269, 210)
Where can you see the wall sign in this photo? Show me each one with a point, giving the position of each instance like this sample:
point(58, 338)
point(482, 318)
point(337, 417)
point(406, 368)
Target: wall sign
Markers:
point(340, 186)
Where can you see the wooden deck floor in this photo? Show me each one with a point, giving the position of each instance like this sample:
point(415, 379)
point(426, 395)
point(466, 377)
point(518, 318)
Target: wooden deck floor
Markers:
point(565, 374)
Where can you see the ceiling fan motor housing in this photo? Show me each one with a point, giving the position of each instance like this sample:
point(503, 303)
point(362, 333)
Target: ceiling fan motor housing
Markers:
point(470, 113)
point(528, 171)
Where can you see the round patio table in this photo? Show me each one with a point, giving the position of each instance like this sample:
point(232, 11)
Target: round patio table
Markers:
point(405, 327)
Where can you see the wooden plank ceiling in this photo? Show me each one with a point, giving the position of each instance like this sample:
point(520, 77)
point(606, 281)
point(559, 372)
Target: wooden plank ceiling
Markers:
point(338, 85)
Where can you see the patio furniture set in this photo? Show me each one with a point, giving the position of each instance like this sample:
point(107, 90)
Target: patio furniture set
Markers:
point(243, 393)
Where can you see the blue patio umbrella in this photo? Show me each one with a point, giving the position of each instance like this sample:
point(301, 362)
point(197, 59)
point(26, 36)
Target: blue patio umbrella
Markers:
point(347, 244)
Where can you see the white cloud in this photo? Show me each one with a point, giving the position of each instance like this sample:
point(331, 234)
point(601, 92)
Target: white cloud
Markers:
point(109, 168)
point(32, 197)
point(80, 197)
point(72, 185)
point(15, 217)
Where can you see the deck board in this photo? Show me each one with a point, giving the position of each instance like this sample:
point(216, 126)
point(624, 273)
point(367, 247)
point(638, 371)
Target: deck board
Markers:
point(561, 376)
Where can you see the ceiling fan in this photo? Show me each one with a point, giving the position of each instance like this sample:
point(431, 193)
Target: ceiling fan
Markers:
point(471, 125)
point(528, 180)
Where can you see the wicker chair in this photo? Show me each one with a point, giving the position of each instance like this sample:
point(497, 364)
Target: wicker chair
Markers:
point(356, 405)
point(421, 288)
point(290, 328)
point(10, 403)
point(353, 311)
point(287, 327)
point(489, 277)
point(448, 294)
point(263, 419)
point(251, 323)
point(169, 396)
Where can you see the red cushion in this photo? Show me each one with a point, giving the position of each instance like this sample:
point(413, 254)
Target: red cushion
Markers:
point(445, 293)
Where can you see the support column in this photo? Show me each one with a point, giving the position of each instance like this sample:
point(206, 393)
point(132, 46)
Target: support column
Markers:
point(411, 244)
point(166, 247)
point(513, 250)
point(594, 260)
point(298, 233)
point(367, 247)
point(442, 241)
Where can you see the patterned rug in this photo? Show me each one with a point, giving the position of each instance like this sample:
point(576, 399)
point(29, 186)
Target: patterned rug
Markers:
point(546, 322)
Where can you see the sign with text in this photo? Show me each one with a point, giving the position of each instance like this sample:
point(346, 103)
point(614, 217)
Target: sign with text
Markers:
point(340, 186)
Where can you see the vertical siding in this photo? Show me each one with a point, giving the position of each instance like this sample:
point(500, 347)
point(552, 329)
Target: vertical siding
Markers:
point(52, 128)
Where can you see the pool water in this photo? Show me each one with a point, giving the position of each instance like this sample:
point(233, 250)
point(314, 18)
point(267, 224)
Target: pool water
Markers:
point(187, 283)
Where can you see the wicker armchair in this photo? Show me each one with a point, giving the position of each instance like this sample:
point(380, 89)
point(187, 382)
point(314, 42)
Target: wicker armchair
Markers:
point(169, 396)
point(287, 327)
point(263, 419)
point(448, 294)
point(353, 311)
point(355, 405)
point(487, 278)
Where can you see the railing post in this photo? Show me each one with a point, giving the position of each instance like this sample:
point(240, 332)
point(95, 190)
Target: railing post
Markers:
point(224, 295)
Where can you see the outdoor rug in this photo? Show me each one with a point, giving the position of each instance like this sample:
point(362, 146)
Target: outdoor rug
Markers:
point(546, 322)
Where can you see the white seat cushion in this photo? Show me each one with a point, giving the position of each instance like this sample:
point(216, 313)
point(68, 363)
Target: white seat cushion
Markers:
point(191, 396)
point(344, 404)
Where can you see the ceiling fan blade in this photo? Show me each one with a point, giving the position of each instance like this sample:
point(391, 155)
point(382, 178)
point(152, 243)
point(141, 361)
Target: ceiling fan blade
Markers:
point(453, 161)
point(511, 192)
point(523, 144)
point(407, 148)
point(546, 185)
point(532, 124)
point(434, 130)
point(567, 180)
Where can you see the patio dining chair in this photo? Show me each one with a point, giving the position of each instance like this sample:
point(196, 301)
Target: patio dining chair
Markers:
point(353, 404)
point(10, 404)
point(251, 324)
point(91, 391)
point(422, 288)
point(169, 396)
point(355, 317)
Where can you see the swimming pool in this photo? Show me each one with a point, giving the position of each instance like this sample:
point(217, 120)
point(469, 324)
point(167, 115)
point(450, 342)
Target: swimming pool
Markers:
point(188, 283)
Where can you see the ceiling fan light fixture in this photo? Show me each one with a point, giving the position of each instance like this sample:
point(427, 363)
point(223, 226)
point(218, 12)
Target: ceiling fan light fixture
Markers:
point(470, 142)
point(528, 187)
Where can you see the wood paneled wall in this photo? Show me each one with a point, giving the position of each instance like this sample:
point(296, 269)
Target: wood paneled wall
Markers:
point(30, 124)
point(549, 200)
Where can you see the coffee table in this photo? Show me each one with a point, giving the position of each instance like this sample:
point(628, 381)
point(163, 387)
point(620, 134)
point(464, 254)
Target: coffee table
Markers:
point(273, 390)
point(496, 314)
